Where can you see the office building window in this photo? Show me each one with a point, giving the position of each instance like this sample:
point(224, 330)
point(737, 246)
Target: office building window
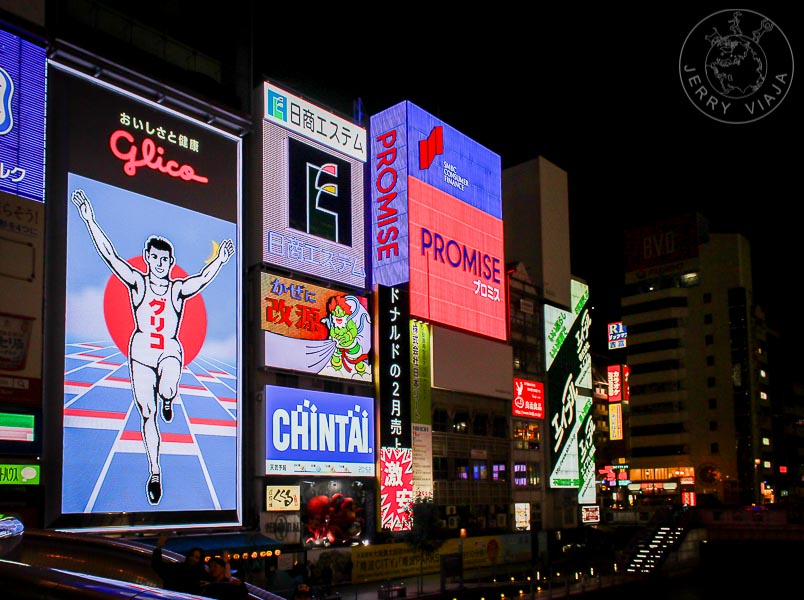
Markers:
point(461, 469)
point(709, 339)
point(526, 474)
point(479, 470)
point(461, 422)
point(526, 434)
point(500, 427)
point(480, 425)
point(710, 361)
point(710, 382)
point(714, 448)
point(440, 467)
point(498, 472)
point(712, 403)
point(707, 297)
point(708, 319)
point(712, 425)
point(440, 420)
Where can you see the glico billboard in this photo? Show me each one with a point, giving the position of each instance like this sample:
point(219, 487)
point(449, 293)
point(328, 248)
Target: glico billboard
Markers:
point(436, 219)
point(147, 205)
point(312, 189)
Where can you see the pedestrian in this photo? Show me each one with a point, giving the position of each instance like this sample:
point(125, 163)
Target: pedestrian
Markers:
point(222, 585)
point(179, 576)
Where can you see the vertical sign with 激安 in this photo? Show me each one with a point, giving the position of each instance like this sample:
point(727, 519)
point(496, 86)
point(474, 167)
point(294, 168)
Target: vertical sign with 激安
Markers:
point(152, 287)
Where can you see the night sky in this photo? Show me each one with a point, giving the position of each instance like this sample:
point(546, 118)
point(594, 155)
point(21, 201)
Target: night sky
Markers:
point(597, 91)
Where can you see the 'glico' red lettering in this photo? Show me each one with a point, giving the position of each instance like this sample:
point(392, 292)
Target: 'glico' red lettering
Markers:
point(151, 158)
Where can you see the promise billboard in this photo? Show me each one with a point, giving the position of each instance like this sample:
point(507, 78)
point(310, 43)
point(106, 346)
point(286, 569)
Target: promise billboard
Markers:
point(151, 203)
point(437, 220)
point(312, 167)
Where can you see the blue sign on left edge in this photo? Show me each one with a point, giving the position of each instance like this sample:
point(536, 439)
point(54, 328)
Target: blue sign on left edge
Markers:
point(23, 68)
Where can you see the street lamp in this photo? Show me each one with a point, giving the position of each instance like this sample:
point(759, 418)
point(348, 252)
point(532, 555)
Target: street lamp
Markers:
point(460, 552)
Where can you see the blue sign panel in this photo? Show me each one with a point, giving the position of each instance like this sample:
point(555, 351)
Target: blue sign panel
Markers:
point(453, 163)
point(318, 433)
point(22, 117)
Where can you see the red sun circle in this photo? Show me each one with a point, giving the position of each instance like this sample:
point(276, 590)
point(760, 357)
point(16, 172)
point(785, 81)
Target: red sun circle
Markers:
point(120, 318)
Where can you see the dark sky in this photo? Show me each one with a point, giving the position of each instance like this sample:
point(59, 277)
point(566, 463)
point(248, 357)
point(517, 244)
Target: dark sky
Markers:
point(597, 91)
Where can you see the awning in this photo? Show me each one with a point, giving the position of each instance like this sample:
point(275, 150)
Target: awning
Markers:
point(212, 543)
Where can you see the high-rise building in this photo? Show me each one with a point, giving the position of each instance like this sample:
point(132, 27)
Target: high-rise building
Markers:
point(700, 418)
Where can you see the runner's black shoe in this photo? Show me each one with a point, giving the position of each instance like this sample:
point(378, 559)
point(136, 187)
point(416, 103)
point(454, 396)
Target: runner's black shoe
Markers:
point(167, 410)
point(154, 489)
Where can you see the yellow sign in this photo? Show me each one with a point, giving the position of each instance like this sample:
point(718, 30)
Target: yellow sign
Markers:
point(283, 497)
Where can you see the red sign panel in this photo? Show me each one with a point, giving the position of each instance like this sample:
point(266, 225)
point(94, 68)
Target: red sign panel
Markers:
point(528, 399)
point(456, 263)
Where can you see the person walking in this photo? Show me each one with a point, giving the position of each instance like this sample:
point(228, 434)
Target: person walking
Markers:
point(179, 576)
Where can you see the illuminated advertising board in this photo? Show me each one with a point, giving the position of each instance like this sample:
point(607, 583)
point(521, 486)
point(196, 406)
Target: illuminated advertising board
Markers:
point(590, 514)
point(396, 488)
point(618, 335)
point(14, 474)
point(318, 433)
point(437, 220)
point(312, 192)
point(522, 516)
point(282, 497)
point(22, 245)
point(528, 399)
point(20, 430)
point(569, 391)
point(22, 117)
point(421, 409)
point(616, 421)
point(668, 246)
point(394, 380)
point(313, 329)
point(152, 377)
point(614, 375)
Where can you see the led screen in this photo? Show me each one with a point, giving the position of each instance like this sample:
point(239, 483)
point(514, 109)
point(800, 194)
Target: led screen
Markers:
point(409, 143)
point(312, 190)
point(318, 433)
point(22, 117)
point(528, 399)
point(20, 430)
point(569, 392)
point(457, 269)
point(313, 329)
point(151, 202)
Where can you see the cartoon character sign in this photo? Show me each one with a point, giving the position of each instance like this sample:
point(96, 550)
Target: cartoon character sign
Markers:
point(315, 329)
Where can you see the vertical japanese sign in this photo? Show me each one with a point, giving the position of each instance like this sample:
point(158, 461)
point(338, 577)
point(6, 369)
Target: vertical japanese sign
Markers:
point(396, 457)
point(313, 329)
point(313, 203)
point(421, 409)
point(569, 389)
point(152, 388)
point(22, 117)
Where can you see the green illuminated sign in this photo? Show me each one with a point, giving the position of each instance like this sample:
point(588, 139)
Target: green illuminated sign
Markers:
point(19, 474)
